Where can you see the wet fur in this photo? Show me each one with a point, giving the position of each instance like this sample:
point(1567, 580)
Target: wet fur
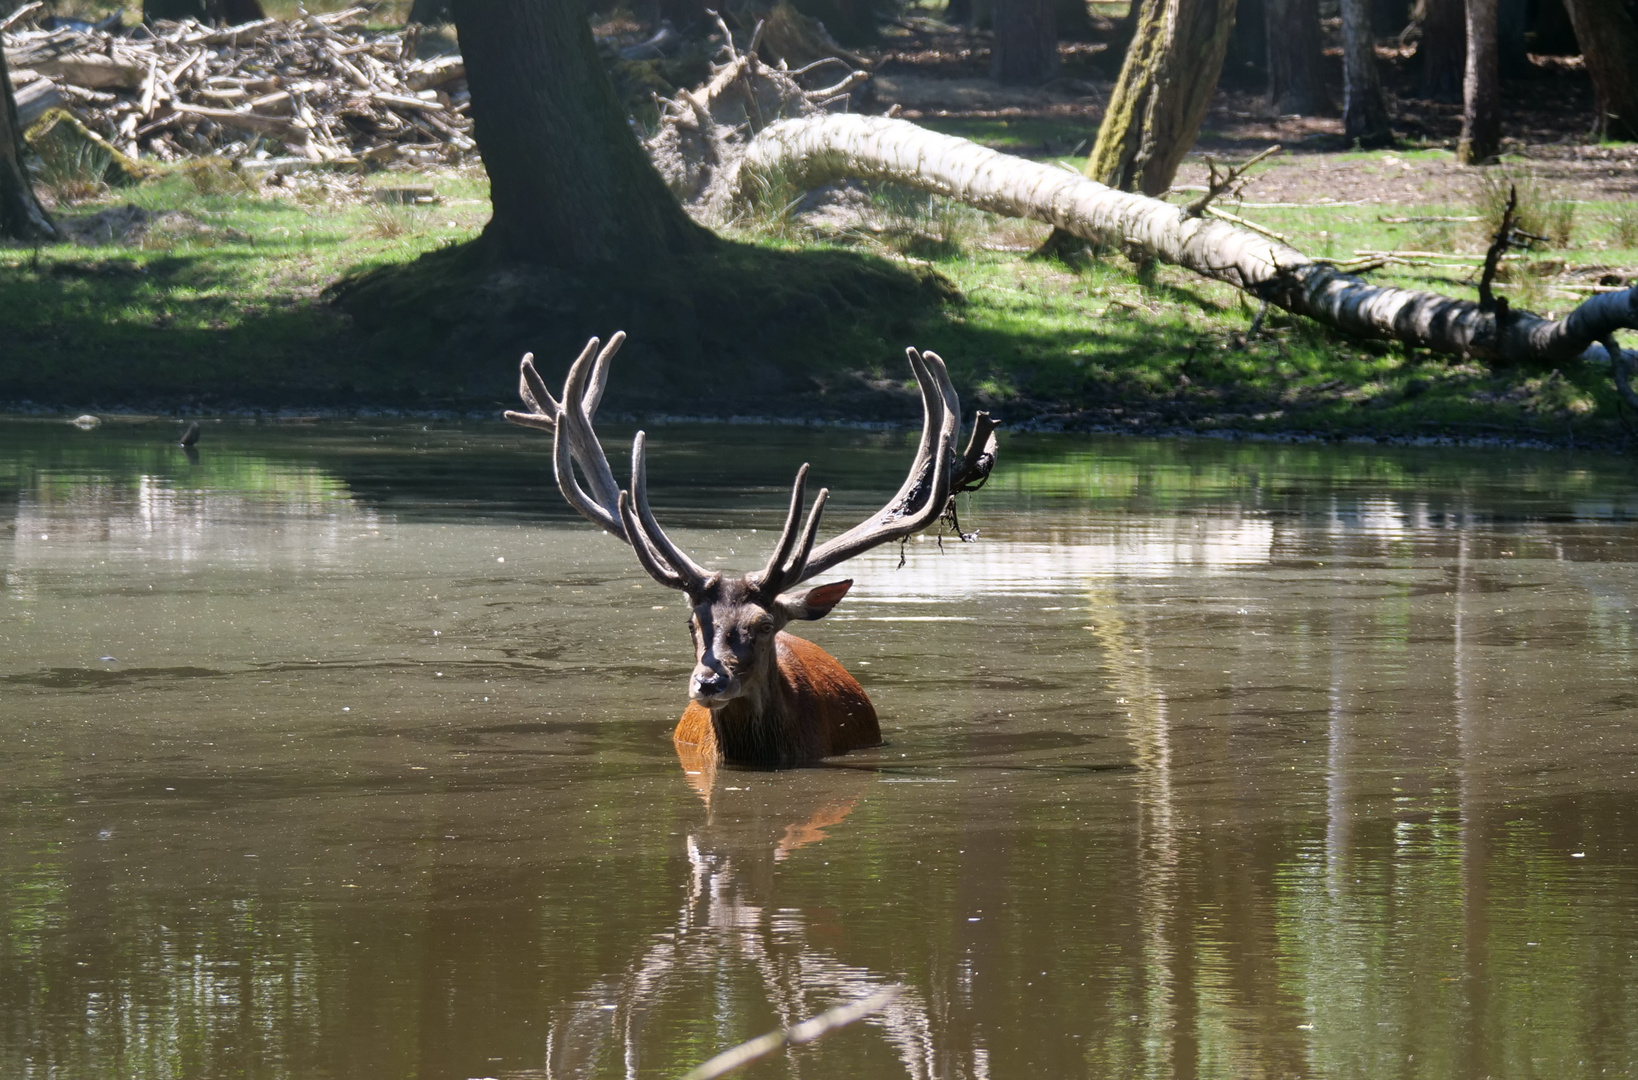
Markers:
point(807, 708)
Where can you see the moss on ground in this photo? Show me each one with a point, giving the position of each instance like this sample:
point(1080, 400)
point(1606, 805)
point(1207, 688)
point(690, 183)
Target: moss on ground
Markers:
point(225, 307)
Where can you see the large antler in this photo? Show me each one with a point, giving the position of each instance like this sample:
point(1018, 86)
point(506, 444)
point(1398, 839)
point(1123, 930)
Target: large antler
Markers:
point(933, 479)
point(574, 442)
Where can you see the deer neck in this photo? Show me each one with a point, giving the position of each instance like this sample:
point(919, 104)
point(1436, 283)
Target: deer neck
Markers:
point(760, 726)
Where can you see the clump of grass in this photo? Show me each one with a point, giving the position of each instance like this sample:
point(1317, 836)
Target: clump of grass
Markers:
point(215, 176)
point(1540, 212)
point(925, 226)
point(384, 222)
point(72, 170)
point(1623, 224)
point(770, 210)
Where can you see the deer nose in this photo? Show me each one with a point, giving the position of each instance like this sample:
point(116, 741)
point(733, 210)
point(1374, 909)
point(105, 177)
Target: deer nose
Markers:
point(710, 683)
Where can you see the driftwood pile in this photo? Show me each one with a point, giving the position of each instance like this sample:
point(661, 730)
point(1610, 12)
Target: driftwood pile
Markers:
point(320, 88)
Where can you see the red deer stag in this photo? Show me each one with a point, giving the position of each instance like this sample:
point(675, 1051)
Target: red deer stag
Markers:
point(761, 697)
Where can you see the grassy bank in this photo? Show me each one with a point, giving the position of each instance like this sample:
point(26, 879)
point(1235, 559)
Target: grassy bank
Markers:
point(218, 304)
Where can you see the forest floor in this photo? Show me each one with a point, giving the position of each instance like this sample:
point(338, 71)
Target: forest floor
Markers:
point(210, 295)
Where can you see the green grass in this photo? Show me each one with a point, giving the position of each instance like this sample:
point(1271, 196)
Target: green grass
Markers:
point(229, 313)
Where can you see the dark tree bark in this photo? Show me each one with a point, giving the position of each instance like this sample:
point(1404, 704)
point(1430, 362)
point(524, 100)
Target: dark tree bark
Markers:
point(1389, 17)
point(1443, 49)
point(1296, 78)
point(221, 12)
point(1512, 23)
point(1161, 96)
point(1609, 46)
point(1025, 52)
point(1481, 88)
point(429, 12)
point(1364, 114)
point(568, 181)
point(21, 217)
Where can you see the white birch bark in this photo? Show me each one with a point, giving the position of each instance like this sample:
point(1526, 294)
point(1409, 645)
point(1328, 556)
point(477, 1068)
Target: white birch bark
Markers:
point(821, 149)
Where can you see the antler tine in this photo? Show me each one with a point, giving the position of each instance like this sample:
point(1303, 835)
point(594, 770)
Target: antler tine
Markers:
point(576, 419)
point(776, 568)
point(691, 575)
point(920, 500)
point(600, 374)
point(569, 485)
point(645, 555)
point(796, 569)
point(532, 389)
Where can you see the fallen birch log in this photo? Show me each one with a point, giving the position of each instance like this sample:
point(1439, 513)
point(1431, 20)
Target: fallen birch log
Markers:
point(815, 150)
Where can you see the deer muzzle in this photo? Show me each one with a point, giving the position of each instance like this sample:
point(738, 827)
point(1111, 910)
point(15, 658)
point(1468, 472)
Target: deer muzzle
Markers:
point(710, 686)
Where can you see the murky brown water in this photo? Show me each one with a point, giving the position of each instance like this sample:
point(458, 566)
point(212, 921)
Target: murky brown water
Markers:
point(1208, 760)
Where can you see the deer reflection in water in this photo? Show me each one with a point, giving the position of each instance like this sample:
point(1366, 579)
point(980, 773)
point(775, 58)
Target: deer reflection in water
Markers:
point(730, 945)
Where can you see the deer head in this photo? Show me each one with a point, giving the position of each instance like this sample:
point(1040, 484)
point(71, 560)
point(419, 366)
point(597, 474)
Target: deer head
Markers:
point(736, 621)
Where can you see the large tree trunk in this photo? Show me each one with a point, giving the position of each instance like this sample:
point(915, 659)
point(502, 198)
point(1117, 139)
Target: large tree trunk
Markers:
point(21, 217)
point(1443, 50)
point(1296, 78)
point(1512, 51)
point(1364, 115)
point(1481, 88)
point(1609, 45)
point(568, 181)
point(1161, 96)
point(1026, 43)
point(825, 149)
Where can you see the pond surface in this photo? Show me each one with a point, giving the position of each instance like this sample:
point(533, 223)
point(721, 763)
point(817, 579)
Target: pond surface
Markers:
point(343, 752)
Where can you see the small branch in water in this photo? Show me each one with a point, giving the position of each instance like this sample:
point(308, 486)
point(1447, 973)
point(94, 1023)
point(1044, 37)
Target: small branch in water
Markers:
point(807, 1031)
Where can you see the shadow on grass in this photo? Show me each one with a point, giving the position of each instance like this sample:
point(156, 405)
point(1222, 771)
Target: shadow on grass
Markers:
point(739, 330)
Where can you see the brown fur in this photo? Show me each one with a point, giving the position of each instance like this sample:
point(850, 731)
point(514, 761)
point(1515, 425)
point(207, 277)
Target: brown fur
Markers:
point(818, 710)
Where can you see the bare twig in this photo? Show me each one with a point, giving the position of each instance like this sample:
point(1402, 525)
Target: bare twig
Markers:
point(807, 1031)
point(1243, 223)
point(1216, 185)
point(1426, 219)
point(1488, 301)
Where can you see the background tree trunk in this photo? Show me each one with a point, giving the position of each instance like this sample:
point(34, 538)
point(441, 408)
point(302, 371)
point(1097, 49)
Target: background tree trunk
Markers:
point(1026, 43)
point(1512, 23)
point(1364, 115)
point(1296, 81)
point(1609, 45)
point(1161, 96)
point(21, 217)
point(1481, 89)
point(429, 12)
point(569, 183)
point(1443, 49)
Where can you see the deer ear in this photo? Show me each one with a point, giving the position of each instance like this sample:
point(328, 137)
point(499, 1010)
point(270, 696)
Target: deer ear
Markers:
point(816, 602)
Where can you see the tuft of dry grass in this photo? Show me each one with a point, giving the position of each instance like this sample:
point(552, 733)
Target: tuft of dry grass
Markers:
point(1540, 212)
point(1622, 221)
point(380, 221)
point(216, 176)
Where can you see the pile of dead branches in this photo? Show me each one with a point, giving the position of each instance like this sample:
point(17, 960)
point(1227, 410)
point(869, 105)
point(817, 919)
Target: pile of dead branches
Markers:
point(320, 88)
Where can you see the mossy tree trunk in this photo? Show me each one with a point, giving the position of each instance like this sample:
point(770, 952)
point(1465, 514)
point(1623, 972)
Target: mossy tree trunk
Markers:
point(1296, 77)
point(1025, 52)
point(1443, 49)
point(21, 217)
point(569, 184)
point(1481, 88)
point(1609, 45)
point(1364, 115)
point(1161, 96)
